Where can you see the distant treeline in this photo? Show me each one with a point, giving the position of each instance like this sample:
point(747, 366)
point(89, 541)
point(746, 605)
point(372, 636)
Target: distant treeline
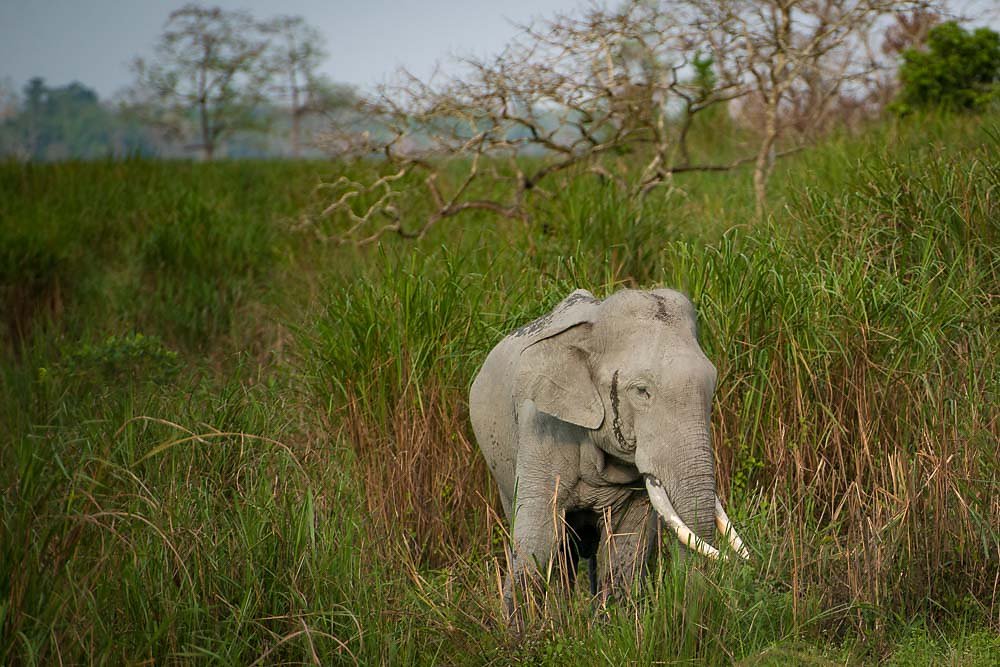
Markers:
point(48, 123)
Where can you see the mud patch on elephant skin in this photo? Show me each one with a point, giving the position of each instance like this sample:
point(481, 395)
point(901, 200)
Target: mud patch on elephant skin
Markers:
point(662, 314)
point(616, 422)
point(545, 320)
point(533, 327)
point(574, 299)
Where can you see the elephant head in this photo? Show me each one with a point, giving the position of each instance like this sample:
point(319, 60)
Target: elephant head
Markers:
point(630, 370)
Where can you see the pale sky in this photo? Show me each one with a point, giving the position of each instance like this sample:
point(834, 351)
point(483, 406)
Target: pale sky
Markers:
point(93, 41)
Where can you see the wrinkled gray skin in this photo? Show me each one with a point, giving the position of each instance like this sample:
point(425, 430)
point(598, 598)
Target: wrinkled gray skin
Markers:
point(578, 408)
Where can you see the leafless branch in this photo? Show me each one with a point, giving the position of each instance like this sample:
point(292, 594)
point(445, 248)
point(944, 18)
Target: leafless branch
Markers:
point(613, 93)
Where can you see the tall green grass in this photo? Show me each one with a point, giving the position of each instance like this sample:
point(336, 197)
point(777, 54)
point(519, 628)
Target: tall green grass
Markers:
point(223, 439)
point(179, 250)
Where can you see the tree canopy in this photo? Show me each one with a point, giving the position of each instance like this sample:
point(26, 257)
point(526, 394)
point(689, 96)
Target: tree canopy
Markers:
point(68, 121)
point(205, 81)
point(959, 70)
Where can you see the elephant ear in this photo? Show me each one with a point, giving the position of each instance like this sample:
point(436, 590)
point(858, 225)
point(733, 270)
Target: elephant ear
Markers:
point(553, 370)
point(577, 308)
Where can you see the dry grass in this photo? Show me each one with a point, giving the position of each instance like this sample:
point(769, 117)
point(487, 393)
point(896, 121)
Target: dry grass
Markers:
point(428, 491)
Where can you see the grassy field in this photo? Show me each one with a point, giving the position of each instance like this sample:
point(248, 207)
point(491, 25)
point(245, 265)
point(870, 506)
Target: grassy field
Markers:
point(224, 439)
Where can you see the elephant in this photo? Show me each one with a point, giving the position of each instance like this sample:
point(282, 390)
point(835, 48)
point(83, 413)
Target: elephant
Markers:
point(594, 422)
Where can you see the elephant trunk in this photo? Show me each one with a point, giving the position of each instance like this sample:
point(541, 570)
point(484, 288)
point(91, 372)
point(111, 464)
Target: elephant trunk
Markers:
point(682, 490)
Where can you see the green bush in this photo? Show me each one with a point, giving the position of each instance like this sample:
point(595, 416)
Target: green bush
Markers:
point(117, 359)
point(959, 71)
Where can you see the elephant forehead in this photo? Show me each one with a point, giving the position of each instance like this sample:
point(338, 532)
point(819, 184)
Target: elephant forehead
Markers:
point(663, 307)
point(644, 340)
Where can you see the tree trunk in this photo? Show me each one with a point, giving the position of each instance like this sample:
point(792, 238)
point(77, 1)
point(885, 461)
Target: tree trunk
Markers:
point(207, 143)
point(207, 149)
point(296, 114)
point(765, 158)
point(779, 80)
point(296, 119)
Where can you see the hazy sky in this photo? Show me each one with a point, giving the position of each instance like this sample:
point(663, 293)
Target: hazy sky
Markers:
point(92, 41)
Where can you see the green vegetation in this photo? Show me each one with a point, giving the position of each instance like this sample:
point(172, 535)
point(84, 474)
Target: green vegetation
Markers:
point(223, 438)
point(62, 122)
point(959, 70)
point(51, 123)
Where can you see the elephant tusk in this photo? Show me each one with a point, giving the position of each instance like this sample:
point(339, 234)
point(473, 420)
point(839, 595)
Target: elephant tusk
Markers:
point(727, 528)
point(661, 502)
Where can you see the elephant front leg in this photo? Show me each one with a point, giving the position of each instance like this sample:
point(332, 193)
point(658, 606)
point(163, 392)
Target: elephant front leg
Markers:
point(546, 472)
point(535, 537)
point(628, 542)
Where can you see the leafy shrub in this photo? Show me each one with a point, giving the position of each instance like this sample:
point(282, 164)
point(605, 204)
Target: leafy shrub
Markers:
point(959, 71)
point(118, 359)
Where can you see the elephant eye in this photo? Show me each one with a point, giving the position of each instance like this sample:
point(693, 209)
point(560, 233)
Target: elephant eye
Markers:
point(642, 392)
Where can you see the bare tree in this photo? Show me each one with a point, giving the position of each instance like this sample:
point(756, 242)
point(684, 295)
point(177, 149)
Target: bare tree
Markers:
point(797, 56)
point(206, 79)
point(294, 57)
point(908, 30)
point(608, 92)
point(570, 95)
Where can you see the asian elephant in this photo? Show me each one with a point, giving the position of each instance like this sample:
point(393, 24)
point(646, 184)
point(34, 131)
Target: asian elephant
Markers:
point(594, 421)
